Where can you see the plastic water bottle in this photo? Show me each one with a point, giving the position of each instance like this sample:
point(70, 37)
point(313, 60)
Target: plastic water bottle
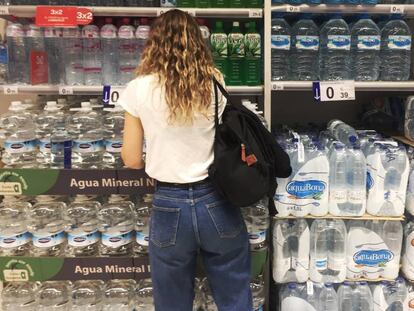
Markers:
point(116, 225)
point(119, 295)
point(338, 191)
point(346, 297)
point(257, 288)
point(56, 61)
point(17, 55)
point(3, 63)
point(144, 297)
point(290, 296)
point(257, 223)
point(61, 147)
point(319, 247)
point(356, 182)
point(365, 47)
point(236, 52)
point(343, 132)
point(73, 56)
point(328, 300)
point(34, 43)
point(85, 127)
point(142, 35)
point(143, 213)
point(87, 295)
point(395, 50)
point(337, 236)
point(305, 49)
point(408, 252)
point(281, 40)
point(128, 55)
point(334, 58)
point(19, 296)
point(109, 44)
point(47, 225)
point(113, 134)
point(83, 235)
point(14, 237)
point(219, 48)
point(253, 52)
point(54, 296)
point(92, 55)
point(393, 236)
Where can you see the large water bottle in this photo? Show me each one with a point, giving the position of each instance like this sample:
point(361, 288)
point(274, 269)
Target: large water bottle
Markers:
point(82, 220)
point(14, 237)
point(305, 49)
point(335, 55)
point(257, 223)
point(365, 47)
point(109, 44)
point(47, 225)
point(338, 191)
point(113, 134)
point(328, 300)
point(319, 248)
point(19, 296)
point(281, 43)
point(87, 295)
point(56, 61)
point(393, 237)
point(346, 297)
point(142, 35)
point(144, 296)
point(395, 50)
point(116, 225)
point(85, 126)
point(356, 182)
point(119, 295)
point(17, 54)
point(54, 295)
point(128, 55)
point(143, 213)
point(92, 55)
point(73, 56)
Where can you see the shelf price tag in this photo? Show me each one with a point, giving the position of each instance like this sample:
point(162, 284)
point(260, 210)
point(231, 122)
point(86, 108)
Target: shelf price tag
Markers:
point(163, 10)
point(293, 9)
point(111, 94)
point(397, 9)
point(10, 89)
point(65, 90)
point(16, 275)
point(4, 10)
point(256, 13)
point(277, 86)
point(334, 90)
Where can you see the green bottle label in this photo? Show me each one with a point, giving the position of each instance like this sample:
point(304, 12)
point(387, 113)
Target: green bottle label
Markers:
point(253, 45)
point(219, 44)
point(236, 45)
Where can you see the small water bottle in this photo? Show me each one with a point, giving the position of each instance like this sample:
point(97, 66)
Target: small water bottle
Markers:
point(109, 43)
point(92, 55)
point(18, 57)
point(73, 57)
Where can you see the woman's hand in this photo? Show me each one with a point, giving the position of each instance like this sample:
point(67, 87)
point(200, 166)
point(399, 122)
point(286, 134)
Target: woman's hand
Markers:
point(132, 144)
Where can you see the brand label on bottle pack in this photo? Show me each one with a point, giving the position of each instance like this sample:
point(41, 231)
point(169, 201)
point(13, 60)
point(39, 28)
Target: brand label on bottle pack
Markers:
point(373, 257)
point(15, 240)
point(307, 42)
point(369, 42)
point(281, 42)
point(83, 239)
point(339, 42)
point(88, 146)
point(236, 45)
point(113, 146)
point(253, 45)
point(19, 146)
point(115, 241)
point(44, 145)
point(257, 237)
point(142, 238)
point(48, 240)
point(219, 44)
point(338, 196)
point(399, 42)
point(306, 189)
point(356, 196)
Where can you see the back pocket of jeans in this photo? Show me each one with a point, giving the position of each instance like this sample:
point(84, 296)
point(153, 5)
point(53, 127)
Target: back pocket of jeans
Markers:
point(227, 219)
point(164, 225)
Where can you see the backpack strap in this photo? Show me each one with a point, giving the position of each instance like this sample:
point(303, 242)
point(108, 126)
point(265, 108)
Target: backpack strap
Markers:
point(221, 87)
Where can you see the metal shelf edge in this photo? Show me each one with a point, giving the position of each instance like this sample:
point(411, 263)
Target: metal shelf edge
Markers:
point(406, 9)
point(359, 86)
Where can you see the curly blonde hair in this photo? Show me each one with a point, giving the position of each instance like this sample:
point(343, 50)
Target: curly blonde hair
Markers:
point(176, 52)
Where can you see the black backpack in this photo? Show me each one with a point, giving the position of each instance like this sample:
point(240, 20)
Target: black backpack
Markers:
point(247, 158)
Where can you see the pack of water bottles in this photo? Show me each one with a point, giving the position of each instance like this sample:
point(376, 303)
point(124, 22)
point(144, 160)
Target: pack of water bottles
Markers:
point(340, 50)
point(87, 56)
point(407, 261)
point(349, 296)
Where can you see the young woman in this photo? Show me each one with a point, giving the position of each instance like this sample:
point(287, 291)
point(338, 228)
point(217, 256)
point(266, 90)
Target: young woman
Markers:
point(171, 103)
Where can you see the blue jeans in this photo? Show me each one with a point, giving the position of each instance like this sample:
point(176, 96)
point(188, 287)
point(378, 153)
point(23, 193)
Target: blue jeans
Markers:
point(188, 222)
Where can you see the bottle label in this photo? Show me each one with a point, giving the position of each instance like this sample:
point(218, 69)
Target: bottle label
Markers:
point(108, 32)
point(115, 241)
point(14, 147)
point(51, 32)
point(236, 45)
point(338, 196)
point(253, 45)
point(219, 44)
point(142, 32)
point(3, 55)
point(48, 240)
point(281, 42)
point(399, 42)
point(15, 240)
point(90, 32)
point(44, 145)
point(126, 32)
point(321, 264)
point(59, 147)
point(257, 237)
point(83, 239)
point(356, 196)
point(369, 42)
point(142, 238)
point(307, 43)
point(113, 146)
point(339, 42)
point(88, 146)
point(168, 3)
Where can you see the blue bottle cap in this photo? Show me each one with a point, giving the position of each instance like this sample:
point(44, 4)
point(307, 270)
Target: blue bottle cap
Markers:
point(353, 139)
point(328, 285)
point(291, 285)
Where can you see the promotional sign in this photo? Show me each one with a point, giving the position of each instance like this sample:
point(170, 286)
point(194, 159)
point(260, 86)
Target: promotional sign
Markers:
point(62, 16)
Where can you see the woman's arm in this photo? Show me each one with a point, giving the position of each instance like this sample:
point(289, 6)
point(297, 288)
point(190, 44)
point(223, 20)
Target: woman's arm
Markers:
point(132, 144)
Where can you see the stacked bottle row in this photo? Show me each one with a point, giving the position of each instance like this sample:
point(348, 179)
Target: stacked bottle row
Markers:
point(337, 50)
point(349, 296)
point(344, 173)
point(349, 2)
point(332, 250)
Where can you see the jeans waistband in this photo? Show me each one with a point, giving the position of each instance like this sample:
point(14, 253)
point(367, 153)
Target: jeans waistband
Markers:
point(194, 185)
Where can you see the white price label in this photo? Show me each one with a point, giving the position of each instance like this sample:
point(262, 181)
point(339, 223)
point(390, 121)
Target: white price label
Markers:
point(334, 91)
point(4, 10)
point(65, 90)
point(309, 288)
point(162, 11)
point(11, 89)
point(10, 188)
point(255, 13)
point(277, 86)
point(16, 275)
point(111, 94)
point(293, 9)
point(397, 9)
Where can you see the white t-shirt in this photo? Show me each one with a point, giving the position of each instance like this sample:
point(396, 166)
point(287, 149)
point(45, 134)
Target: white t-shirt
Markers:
point(174, 153)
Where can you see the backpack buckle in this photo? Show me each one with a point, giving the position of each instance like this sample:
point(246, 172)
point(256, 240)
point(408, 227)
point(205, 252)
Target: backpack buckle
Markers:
point(250, 159)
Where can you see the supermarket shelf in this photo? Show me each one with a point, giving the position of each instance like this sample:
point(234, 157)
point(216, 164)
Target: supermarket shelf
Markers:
point(80, 90)
point(329, 216)
point(380, 86)
point(30, 11)
point(406, 9)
